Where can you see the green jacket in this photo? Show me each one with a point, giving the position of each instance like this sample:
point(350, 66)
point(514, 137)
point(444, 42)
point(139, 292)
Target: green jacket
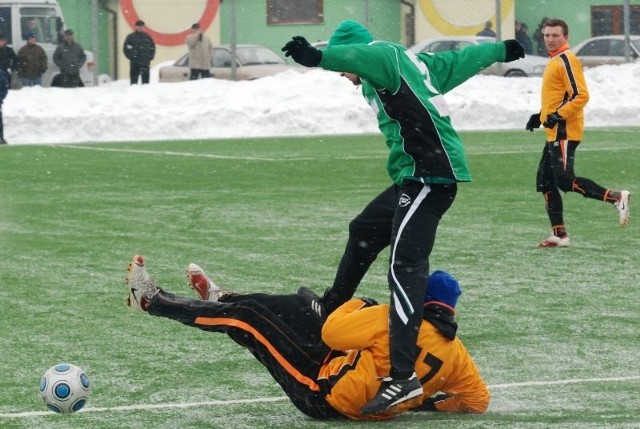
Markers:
point(406, 92)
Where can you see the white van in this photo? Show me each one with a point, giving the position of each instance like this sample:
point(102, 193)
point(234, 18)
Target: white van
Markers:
point(44, 19)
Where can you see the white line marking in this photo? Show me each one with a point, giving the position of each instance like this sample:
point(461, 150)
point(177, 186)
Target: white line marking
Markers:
point(159, 152)
point(166, 406)
point(380, 155)
point(556, 382)
point(162, 406)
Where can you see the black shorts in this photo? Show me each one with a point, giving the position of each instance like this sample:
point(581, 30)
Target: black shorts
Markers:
point(556, 164)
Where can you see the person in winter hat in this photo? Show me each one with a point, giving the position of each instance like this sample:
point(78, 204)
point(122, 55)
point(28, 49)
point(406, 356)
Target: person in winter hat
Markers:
point(140, 49)
point(426, 161)
point(32, 62)
point(8, 57)
point(69, 56)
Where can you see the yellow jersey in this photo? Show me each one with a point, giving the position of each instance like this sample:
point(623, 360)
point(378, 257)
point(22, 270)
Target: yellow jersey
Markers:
point(564, 90)
point(442, 365)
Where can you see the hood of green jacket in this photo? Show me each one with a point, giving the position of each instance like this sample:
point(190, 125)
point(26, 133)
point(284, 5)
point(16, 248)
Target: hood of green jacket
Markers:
point(350, 33)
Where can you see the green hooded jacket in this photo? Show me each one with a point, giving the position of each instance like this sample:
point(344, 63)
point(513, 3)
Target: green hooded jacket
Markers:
point(406, 92)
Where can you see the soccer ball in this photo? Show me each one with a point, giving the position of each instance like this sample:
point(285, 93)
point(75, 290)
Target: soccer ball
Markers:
point(65, 388)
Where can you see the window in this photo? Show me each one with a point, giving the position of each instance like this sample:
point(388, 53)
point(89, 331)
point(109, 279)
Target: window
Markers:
point(595, 48)
point(281, 12)
point(607, 20)
point(616, 48)
point(41, 21)
point(221, 58)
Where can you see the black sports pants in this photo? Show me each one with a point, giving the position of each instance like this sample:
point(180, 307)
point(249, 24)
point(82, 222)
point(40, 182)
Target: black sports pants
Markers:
point(406, 217)
point(556, 173)
point(279, 330)
point(139, 70)
point(195, 74)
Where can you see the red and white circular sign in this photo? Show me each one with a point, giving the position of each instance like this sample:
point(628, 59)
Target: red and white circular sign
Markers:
point(170, 39)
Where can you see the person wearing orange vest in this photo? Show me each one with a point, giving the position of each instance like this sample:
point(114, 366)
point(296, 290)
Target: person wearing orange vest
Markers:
point(329, 369)
point(564, 96)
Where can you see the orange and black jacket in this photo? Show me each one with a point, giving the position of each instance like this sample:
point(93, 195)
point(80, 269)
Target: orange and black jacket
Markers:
point(443, 363)
point(564, 90)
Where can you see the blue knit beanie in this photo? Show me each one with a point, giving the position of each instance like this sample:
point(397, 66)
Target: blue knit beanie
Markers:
point(442, 287)
point(350, 33)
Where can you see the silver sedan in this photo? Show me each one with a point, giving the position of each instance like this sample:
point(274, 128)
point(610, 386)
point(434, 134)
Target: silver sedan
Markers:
point(530, 65)
point(601, 50)
point(252, 62)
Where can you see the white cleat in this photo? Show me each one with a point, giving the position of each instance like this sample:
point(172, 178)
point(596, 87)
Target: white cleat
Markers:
point(555, 241)
point(141, 287)
point(622, 205)
point(203, 285)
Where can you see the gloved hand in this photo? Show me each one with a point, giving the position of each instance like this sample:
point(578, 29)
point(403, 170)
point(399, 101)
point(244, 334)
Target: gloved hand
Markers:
point(514, 50)
point(534, 122)
point(552, 120)
point(368, 302)
point(302, 52)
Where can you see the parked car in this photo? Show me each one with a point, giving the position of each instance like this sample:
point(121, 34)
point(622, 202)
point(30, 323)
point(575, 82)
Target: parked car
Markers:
point(252, 62)
point(320, 44)
point(530, 65)
point(601, 50)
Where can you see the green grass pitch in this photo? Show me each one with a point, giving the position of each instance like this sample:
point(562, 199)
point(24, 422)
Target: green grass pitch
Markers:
point(555, 332)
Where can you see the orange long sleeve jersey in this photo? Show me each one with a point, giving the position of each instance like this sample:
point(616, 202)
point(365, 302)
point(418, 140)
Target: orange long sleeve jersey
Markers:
point(443, 365)
point(564, 90)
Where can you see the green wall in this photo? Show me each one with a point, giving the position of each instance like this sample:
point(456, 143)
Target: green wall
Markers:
point(384, 22)
point(576, 13)
point(77, 16)
point(383, 15)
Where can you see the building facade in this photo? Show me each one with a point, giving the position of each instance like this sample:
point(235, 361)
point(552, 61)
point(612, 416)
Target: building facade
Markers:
point(273, 22)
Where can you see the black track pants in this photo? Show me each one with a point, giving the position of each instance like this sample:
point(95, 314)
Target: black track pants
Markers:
point(288, 347)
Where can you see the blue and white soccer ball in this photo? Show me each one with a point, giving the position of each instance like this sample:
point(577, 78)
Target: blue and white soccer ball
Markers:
point(65, 388)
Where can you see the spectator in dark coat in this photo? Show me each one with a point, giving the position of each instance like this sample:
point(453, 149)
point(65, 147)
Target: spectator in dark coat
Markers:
point(140, 49)
point(538, 37)
point(8, 58)
point(4, 90)
point(522, 36)
point(32, 62)
point(487, 31)
point(70, 57)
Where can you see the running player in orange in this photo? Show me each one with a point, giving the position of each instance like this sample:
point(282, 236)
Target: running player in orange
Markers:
point(564, 95)
point(329, 370)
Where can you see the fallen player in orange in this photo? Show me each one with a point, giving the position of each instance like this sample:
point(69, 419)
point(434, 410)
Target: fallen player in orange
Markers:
point(329, 369)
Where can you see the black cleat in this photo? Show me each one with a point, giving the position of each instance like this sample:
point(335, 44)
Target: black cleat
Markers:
point(393, 392)
point(314, 302)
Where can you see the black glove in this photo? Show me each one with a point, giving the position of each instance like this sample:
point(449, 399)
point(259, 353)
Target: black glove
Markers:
point(368, 302)
point(514, 50)
point(552, 120)
point(302, 52)
point(534, 122)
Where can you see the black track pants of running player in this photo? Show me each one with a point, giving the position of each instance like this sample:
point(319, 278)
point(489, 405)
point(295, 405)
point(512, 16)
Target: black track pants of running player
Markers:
point(292, 356)
point(416, 217)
